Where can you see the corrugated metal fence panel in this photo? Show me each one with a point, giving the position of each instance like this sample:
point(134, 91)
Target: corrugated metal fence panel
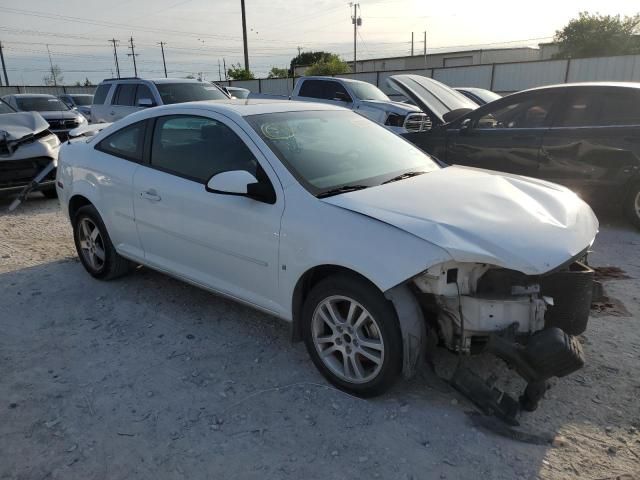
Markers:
point(277, 86)
point(511, 77)
point(471, 76)
point(369, 77)
point(4, 90)
point(382, 78)
point(619, 69)
point(251, 85)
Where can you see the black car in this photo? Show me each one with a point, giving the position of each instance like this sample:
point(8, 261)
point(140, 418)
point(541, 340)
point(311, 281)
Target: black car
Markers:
point(585, 136)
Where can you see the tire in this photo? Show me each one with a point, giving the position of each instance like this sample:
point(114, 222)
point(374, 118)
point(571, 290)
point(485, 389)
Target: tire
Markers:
point(632, 205)
point(111, 265)
point(361, 352)
point(50, 192)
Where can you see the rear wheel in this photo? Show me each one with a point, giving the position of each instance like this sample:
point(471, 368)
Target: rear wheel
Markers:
point(352, 335)
point(633, 205)
point(94, 247)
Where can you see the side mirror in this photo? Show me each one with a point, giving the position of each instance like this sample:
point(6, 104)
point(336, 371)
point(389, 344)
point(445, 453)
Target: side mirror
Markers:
point(465, 125)
point(342, 97)
point(241, 183)
point(145, 102)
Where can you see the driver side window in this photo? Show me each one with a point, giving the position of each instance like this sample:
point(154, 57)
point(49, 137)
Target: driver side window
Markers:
point(197, 148)
point(524, 113)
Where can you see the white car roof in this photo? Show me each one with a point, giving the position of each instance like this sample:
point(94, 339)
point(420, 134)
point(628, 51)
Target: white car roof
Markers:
point(250, 106)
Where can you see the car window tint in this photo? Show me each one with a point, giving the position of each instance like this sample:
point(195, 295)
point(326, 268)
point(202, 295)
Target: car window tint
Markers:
point(126, 143)
point(620, 108)
point(525, 113)
point(312, 88)
point(143, 92)
point(101, 94)
point(125, 94)
point(198, 148)
point(581, 110)
point(335, 91)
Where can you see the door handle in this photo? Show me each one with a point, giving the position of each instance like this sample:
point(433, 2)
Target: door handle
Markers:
point(151, 195)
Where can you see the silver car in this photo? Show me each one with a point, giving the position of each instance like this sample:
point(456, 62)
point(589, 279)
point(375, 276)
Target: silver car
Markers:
point(61, 118)
point(27, 146)
point(118, 97)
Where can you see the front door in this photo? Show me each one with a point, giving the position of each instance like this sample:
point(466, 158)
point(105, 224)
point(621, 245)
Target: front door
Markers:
point(225, 242)
point(506, 136)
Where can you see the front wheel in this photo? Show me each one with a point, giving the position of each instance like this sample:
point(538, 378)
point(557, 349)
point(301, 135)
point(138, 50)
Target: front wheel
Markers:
point(352, 335)
point(94, 247)
point(633, 205)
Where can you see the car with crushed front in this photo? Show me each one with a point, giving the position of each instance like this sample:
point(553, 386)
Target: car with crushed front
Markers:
point(27, 147)
point(328, 220)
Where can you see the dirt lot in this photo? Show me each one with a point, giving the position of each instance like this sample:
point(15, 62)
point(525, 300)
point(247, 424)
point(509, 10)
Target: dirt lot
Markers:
point(146, 377)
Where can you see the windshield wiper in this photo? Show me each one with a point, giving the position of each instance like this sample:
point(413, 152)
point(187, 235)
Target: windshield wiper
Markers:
point(402, 177)
point(339, 190)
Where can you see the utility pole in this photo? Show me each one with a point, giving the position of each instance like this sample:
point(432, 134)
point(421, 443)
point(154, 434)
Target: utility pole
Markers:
point(224, 63)
point(53, 72)
point(133, 55)
point(357, 21)
point(244, 36)
point(425, 49)
point(4, 67)
point(219, 72)
point(412, 44)
point(115, 55)
point(162, 44)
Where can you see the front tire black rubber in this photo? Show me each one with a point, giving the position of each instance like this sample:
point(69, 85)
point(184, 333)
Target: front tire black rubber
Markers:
point(114, 265)
point(631, 207)
point(385, 316)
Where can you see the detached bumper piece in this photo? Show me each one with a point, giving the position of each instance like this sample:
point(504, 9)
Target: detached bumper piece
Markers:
point(549, 353)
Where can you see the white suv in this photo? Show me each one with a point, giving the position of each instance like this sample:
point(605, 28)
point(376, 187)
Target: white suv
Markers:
point(118, 97)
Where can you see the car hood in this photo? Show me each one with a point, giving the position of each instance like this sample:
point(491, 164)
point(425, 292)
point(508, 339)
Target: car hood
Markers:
point(431, 95)
point(14, 126)
point(481, 216)
point(60, 115)
point(391, 106)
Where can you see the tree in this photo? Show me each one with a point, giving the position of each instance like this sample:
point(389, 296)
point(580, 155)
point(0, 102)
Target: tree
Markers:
point(593, 35)
point(55, 76)
point(305, 59)
point(328, 66)
point(276, 72)
point(87, 82)
point(236, 72)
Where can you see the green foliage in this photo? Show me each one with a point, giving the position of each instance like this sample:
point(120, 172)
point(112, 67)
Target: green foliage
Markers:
point(593, 35)
point(236, 72)
point(332, 65)
point(308, 58)
point(276, 72)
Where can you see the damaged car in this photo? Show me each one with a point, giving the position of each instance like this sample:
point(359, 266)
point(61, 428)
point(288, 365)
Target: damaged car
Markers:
point(366, 245)
point(27, 147)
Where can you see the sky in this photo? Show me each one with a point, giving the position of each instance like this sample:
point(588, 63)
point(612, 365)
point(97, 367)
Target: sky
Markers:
point(200, 33)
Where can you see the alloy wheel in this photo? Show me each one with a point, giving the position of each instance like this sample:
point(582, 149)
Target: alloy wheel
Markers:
point(347, 339)
point(91, 244)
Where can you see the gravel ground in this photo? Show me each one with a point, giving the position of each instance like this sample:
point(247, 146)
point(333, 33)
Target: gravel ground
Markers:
point(147, 377)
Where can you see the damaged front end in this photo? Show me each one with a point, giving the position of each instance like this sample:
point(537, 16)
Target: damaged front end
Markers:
point(529, 321)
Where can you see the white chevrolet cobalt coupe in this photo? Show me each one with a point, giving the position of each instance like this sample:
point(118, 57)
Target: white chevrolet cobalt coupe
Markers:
point(319, 216)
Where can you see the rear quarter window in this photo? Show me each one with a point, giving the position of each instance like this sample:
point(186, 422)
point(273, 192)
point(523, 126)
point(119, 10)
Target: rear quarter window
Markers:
point(101, 94)
point(620, 108)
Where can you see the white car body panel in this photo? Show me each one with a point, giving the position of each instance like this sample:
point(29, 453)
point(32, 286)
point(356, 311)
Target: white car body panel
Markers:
point(257, 252)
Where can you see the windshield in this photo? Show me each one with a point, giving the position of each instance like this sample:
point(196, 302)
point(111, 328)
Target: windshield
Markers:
point(82, 100)
point(40, 104)
point(4, 108)
point(366, 91)
point(325, 150)
point(188, 92)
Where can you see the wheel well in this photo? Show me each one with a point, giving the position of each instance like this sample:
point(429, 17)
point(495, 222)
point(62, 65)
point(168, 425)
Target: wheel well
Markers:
point(308, 280)
point(75, 203)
